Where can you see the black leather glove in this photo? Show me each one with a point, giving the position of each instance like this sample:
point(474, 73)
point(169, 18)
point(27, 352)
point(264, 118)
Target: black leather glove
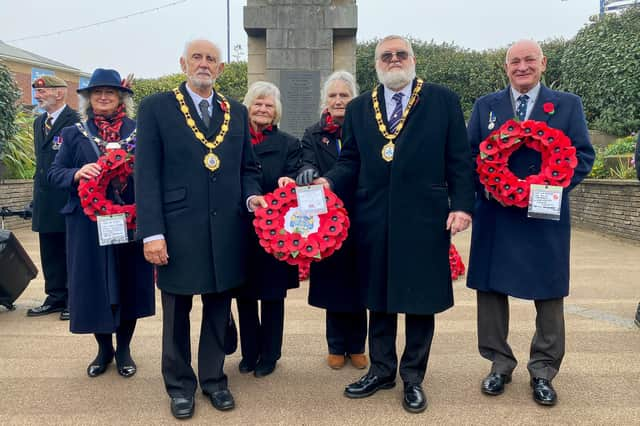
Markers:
point(306, 177)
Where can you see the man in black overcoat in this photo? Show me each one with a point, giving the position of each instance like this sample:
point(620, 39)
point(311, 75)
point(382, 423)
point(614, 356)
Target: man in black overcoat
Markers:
point(405, 146)
point(50, 92)
point(195, 178)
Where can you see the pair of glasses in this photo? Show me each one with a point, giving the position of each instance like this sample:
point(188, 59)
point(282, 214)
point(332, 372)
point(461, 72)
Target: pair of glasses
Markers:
point(402, 55)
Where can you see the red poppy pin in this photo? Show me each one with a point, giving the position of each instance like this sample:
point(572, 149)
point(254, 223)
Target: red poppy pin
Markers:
point(549, 108)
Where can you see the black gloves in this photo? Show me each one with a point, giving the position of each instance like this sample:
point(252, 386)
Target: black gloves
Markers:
point(306, 177)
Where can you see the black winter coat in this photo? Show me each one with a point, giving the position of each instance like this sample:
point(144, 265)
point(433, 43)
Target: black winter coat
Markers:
point(269, 278)
point(401, 207)
point(333, 282)
point(47, 200)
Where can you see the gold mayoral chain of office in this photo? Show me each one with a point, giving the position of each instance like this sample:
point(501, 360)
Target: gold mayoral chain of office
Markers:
point(211, 160)
point(389, 147)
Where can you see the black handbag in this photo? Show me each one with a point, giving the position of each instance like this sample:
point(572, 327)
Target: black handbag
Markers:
point(230, 336)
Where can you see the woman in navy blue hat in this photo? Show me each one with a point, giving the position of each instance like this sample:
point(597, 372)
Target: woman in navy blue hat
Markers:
point(110, 286)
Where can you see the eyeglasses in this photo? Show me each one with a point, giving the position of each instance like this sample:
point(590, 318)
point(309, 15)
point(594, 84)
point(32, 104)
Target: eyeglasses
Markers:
point(402, 55)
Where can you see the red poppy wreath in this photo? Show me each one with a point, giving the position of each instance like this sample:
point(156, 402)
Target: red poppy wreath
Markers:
point(116, 166)
point(455, 263)
point(558, 160)
point(296, 238)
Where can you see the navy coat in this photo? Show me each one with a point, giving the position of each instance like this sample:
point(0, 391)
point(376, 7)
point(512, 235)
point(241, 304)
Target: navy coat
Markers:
point(106, 284)
point(401, 208)
point(202, 214)
point(269, 278)
point(47, 200)
point(510, 253)
point(333, 282)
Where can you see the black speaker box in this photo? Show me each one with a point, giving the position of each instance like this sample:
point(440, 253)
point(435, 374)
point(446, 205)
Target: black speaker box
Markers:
point(16, 269)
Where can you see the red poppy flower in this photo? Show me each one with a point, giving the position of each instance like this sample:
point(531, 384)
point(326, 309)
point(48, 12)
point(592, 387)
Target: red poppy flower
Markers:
point(331, 199)
point(549, 108)
point(311, 248)
point(268, 223)
point(332, 228)
point(294, 243)
point(510, 128)
point(279, 243)
point(489, 147)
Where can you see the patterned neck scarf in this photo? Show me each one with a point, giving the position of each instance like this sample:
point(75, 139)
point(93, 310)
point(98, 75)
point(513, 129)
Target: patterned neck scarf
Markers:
point(109, 127)
point(258, 137)
point(330, 126)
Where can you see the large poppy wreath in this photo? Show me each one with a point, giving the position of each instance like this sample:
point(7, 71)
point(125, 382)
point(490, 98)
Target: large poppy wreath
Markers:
point(117, 165)
point(558, 160)
point(296, 238)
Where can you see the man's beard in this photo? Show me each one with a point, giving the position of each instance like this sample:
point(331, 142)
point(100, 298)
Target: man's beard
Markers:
point(46, 103)
point(396, 79)
point(202, 82)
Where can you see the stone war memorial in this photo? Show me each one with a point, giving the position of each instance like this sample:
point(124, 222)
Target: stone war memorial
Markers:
point(296, 45)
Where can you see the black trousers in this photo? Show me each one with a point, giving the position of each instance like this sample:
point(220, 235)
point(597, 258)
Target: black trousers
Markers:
point(53, 256)
point(382, 345)
point(346, 332)
point(547, 346)
point(179, 377)
point(261, 336)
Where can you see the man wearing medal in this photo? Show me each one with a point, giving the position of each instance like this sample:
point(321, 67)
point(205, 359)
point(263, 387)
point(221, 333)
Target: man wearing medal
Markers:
point(196, 175)
point(513, 254)
point(406, 149)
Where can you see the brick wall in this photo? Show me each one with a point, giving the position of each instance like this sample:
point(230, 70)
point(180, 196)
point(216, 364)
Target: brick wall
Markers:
point(15, 194)
point(611, 207)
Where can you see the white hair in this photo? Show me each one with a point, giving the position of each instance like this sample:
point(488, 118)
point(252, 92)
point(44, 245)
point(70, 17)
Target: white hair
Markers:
point(340, 75)
point(263, 89)
point(394, 37)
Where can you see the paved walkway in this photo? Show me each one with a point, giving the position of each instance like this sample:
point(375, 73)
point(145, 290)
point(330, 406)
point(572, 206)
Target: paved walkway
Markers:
point(43, 379)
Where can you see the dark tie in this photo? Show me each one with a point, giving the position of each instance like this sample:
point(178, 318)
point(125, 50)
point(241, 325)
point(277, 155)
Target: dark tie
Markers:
point(204, 112)
point(396, 115)
point(48, 125)
point(521, 110)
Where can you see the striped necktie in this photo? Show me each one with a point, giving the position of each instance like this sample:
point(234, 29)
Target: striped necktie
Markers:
point(521, 110)
point(48, 125)
point(396, 115)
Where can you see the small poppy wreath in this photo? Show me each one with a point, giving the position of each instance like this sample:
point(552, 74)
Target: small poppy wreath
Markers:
point(455, 263)
point(558, 160)
point(115, 164)
point(302, 239)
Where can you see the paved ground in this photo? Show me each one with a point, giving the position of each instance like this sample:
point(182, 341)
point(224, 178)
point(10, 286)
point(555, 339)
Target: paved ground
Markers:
point(43, 379)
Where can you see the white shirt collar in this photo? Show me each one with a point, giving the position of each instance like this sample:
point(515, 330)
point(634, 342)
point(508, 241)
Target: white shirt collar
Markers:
point(197, 99)
point(533, 93)
point(55, 114)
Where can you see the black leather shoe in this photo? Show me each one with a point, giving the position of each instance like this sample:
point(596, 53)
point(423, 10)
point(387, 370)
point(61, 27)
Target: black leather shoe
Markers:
point(64, 315)
point(95, 368)
point(494, 383)
point(264, 369)
point(368, 385)
point(222, 399)
point(182, 408)
point(543, 392)
point(414, 400)
point(44, 310)
point(246, 367)
point(127, 370)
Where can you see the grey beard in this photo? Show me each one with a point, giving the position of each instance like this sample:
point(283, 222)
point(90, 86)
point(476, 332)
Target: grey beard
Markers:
point(201, 84)
point(396, 80)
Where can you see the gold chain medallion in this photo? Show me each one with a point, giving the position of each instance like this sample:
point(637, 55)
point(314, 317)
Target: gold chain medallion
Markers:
point(389, 148)
point(211, 160)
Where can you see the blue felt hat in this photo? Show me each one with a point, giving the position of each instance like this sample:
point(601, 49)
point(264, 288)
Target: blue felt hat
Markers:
point(105, 78)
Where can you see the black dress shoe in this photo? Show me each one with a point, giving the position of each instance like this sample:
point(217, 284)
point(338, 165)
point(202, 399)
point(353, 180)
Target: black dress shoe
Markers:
point(246, 367)
point(222, 399)
point(96, 368)
point(64, 315)
point(127, 370)
point(44, 310)
point(494, 383)
point(264, 368)
point(368, 385)
point(182, 408)
point(543, 392)
point(414, 400)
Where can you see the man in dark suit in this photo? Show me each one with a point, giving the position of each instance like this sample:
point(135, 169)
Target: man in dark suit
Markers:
point(512, 254)
point(50, 92)
point(405, 147)
point(195, 177)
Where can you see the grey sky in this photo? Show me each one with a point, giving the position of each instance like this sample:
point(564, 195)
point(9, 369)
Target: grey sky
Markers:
point(149, 45)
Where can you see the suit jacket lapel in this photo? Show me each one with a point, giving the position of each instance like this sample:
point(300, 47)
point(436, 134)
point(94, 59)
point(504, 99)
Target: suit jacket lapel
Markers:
point(193, 110)
point(545, 95)
point(502, 108)
point(216, 119)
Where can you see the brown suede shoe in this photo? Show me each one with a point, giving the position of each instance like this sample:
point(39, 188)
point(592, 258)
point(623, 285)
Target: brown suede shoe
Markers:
point(335, 361)
point(359, 361)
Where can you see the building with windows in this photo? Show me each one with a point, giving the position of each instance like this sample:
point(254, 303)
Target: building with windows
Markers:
point(616, 6)
point(27, 66)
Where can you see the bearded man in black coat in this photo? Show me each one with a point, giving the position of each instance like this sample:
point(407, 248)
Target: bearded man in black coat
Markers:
point(196, 178)
point(406, 148)
point(50, 93)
